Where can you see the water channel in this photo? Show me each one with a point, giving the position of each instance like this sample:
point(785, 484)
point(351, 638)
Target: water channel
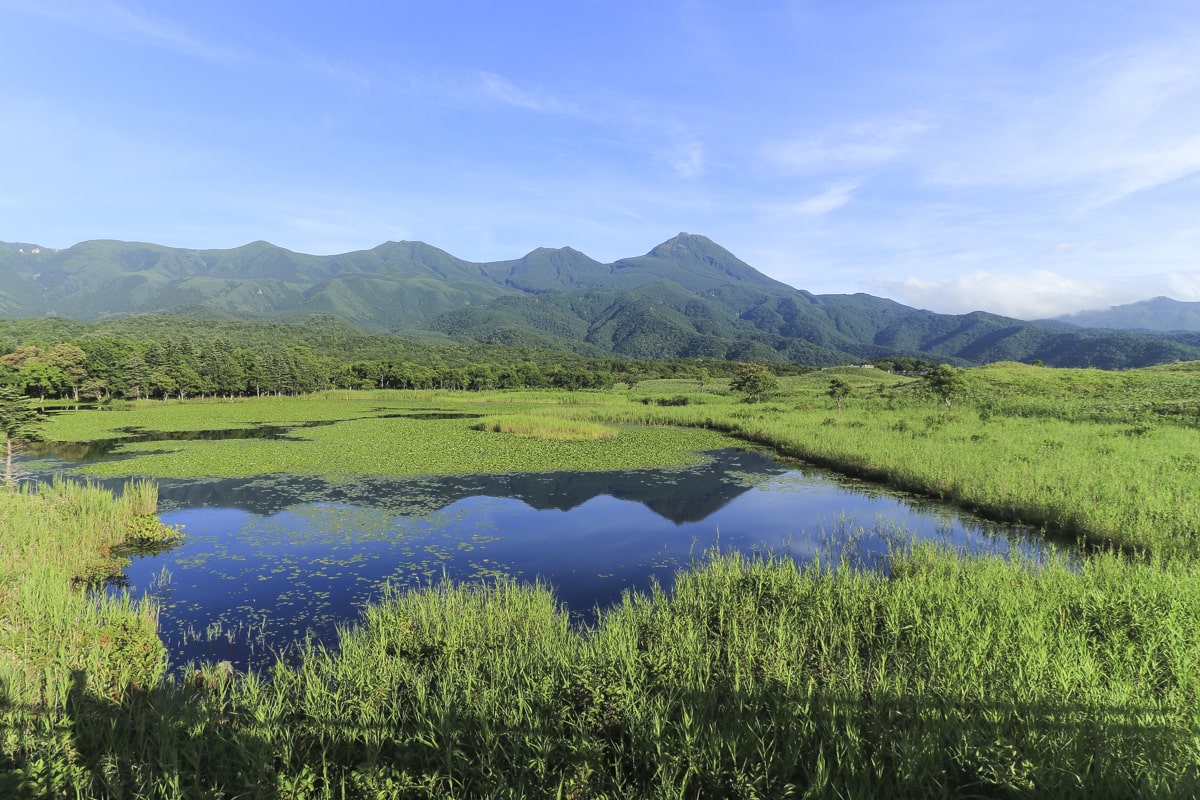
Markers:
point(272, 561)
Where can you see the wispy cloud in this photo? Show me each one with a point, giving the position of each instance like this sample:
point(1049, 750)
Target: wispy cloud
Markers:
point(124, 22)
point(501, 89)
point(1032, 295)
point(688, 160)
point(121, 21)
point(830, 199)
point(349, 76)
point(654, 132)
point(1111, 127)
point(854, 146)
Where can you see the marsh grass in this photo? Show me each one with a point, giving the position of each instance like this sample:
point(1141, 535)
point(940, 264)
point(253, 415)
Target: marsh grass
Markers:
point(58, 542)
point(1110, 458)
point(393, 439)
point(1081, 454)
point(935, 676)
point(947, 677)
point(545, 427)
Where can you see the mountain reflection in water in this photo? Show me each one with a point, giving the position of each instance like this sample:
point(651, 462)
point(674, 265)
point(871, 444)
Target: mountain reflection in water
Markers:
point(270, 561)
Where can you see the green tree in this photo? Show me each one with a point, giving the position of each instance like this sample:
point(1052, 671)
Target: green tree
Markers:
point(72, 361)
point(945, 382)
point(106, 357)
point(481, 377)
point(754, 380)
point(93, 389)
point(135, 378)
point(839, 390)
point(162, 383)
point(43, 378)
point(20, 422)
point(220, 368)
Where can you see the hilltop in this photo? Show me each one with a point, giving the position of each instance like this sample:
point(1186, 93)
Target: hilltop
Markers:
point(687, 297)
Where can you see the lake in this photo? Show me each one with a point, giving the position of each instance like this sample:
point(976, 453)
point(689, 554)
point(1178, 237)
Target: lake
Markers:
point(272, 561)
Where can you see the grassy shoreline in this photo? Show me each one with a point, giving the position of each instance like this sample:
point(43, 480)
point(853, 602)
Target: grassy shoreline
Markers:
point(946, 677)
point(1109, 458)
point(951, 677)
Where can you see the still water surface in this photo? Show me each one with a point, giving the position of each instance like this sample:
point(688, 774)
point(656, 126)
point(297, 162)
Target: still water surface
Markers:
point(272, 561)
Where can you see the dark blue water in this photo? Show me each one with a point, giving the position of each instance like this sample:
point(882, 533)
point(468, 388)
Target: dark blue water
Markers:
point(272, 561)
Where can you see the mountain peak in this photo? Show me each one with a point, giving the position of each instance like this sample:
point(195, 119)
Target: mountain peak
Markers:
point(700, 264)
point(1160, 313)
point(684, 243)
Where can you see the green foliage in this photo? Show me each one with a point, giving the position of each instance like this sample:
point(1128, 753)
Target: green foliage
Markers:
point(54, 636)
point(754, 380)
point(948, 677)
point(386, 433)
point(148, 529)
point(945, 383)
point(1121, 472)
point(20, 422)
point(543, 427)
point(839, 390)
point(19, 418)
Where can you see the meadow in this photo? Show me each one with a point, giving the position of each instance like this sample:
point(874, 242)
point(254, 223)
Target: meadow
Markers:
point(1110, 459)
point(383, 433)
point(1105, 457)
point(941, 677)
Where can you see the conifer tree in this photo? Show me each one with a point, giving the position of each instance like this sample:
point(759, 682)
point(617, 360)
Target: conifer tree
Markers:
point(20, 422)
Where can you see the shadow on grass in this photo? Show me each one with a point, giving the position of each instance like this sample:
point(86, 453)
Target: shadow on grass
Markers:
point(591, 738)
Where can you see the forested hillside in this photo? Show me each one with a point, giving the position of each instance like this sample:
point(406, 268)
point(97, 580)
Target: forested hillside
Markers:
point(686, 298)
point(181, 357)
point(1156, 314)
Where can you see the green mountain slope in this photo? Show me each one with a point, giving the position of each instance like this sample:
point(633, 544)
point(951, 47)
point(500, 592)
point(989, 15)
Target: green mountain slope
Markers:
point(687, 297)
point(1157, 314)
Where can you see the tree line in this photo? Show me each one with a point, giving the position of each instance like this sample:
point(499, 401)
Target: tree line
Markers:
point(97, 367)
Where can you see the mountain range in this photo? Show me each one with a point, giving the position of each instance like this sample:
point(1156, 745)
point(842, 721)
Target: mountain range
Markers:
point(1156, 314)
point(686, 297)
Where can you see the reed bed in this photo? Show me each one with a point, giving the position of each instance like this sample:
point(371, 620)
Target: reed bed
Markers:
point(55, 632)
point(1128, 483)
point(945, 677)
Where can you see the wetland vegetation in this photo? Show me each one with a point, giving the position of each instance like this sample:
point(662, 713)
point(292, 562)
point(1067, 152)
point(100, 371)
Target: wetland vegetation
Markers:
point(940, 675)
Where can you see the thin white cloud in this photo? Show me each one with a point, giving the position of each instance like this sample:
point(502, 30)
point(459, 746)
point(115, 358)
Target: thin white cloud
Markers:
point(1182, 285)
point(688, 160)
point(1111, 127)
point(855, 146)
point(120, 21)
point(160, 32)
point(655, 132)
point(340, 73)
point(831, 199)
point(1032, 295)
point(503, 90)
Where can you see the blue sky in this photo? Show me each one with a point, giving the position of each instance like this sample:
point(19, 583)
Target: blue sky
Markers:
point(1025, 158)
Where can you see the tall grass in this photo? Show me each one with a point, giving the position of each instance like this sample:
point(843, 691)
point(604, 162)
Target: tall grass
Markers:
point(1127, 481)
point(754, 678)
point(58, 542)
